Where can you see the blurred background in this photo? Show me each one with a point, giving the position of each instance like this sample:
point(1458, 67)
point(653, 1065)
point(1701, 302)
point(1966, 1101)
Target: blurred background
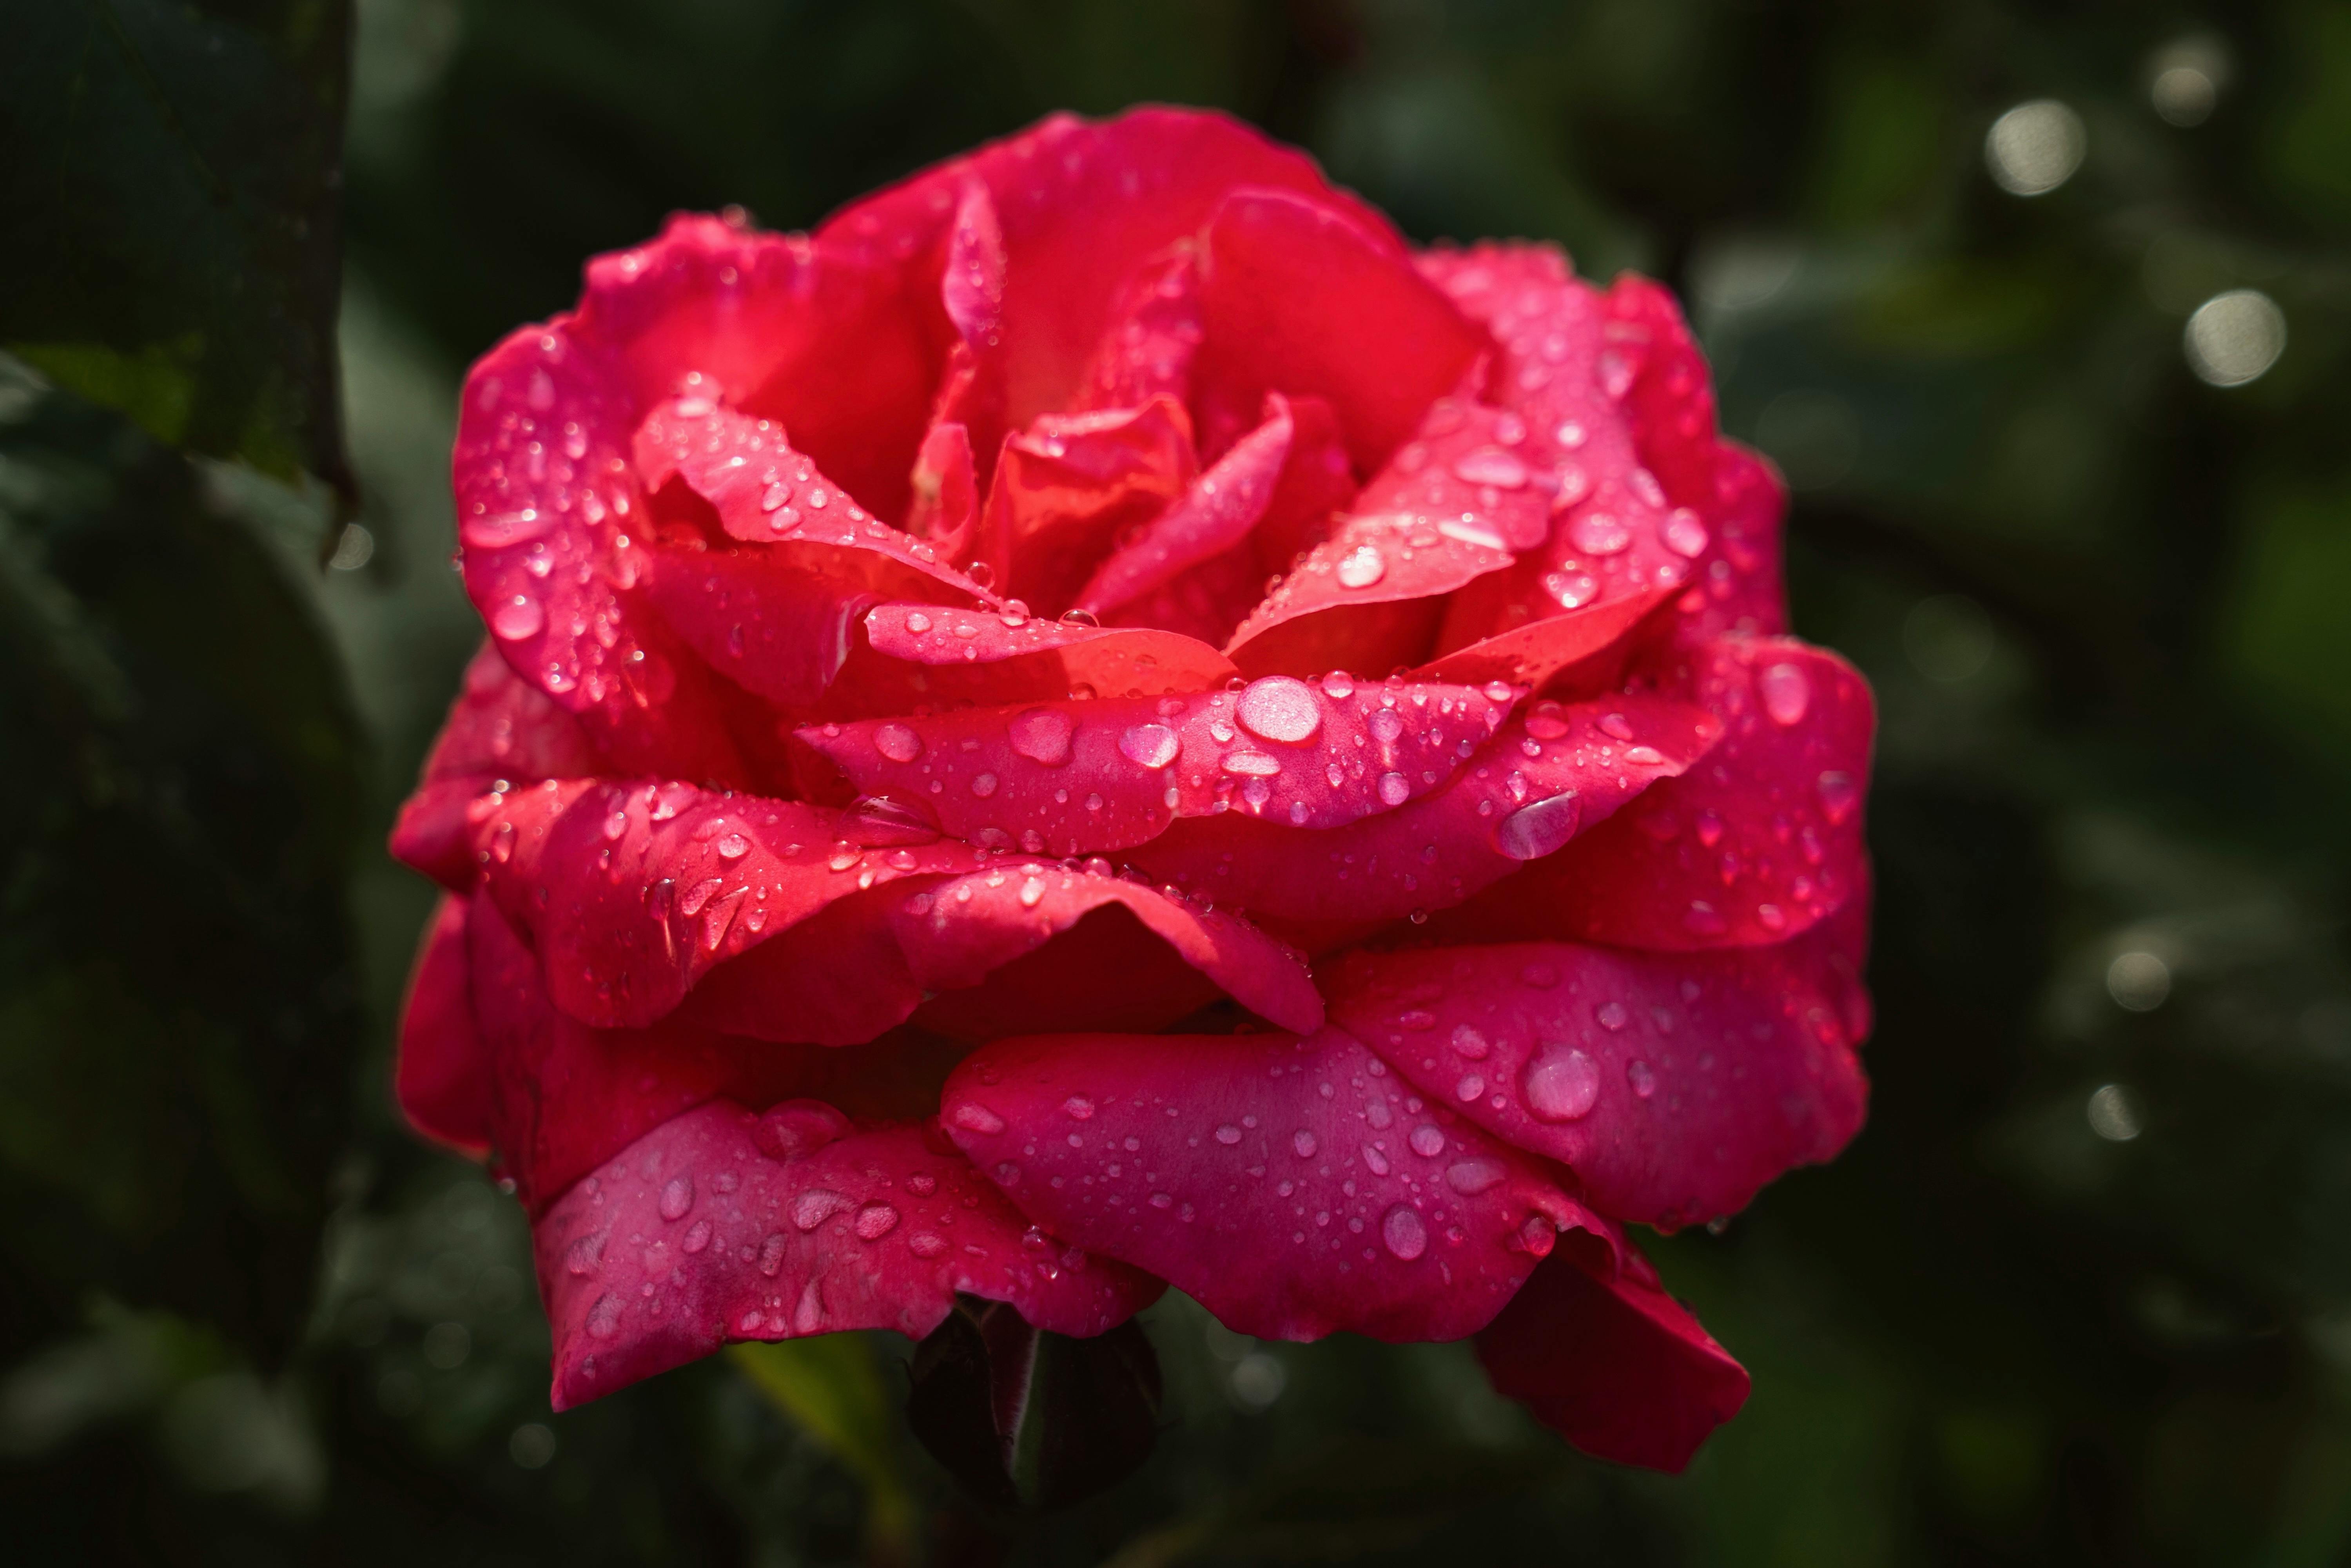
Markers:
point(2044, 310)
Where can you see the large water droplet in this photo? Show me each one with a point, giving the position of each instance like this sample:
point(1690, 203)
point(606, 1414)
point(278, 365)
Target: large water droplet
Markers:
point(517, 618)
point(875, 1221)
point(1042, 735)
point(1303, 1144)
point(1538, 827)
point(678, 1198)
point(974, 1117)
point(817, 1205)
point(1404, 1232)
point(1786, 692)
point(1471, 1178)
point(1599, 533)
point(1280, 708)
point(1148, 746)
point(1491, 466)
point(1362, 567)
point(1561, 1084)
point(1642, 1077)
point(897, 742)
point(1427, 1140)
point(1685, 533)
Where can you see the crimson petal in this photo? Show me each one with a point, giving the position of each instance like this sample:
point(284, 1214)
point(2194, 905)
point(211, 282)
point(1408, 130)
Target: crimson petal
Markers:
point(1070, 484)
point(1293, 1186)
point(1215, 513)
point(721, 1224)
point(1598, 1351)
point(1751, 848)
point(1674, 1085)
point(1556, 771)
point(915, 657)
point(441, 1079)
point(1074, 778)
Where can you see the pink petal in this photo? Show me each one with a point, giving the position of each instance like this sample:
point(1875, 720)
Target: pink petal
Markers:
point(1371, 596)
point(1071, 777)
point(1674, 1085)
point(699, 1234)
point(1294, 1187)
point(631, 894)
point(1070, 484)
point(1520, 797)
point(499, 728)
point(1153, 331)
point(1082, 204)
point(1540, 653)
point(1751, 848)
point(442, 1080)
point(945, 510)
point(1600, 1353)
point(971, 287)
point(955, 935)
point(916, 656)
point(1215, 513)
point(1288, 286)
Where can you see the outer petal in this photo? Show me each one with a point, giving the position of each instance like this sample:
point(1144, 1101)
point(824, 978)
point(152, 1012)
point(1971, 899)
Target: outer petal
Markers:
point(1599, 1352)
point(1082, 204)
point(1557, 771)
point(1074, 778)
point(442, 1080)
point(1674, 1085)
point(699, 1233)
point(499, 728)
point(1753, 847)
point(1291, 290)
point(1292, 1187)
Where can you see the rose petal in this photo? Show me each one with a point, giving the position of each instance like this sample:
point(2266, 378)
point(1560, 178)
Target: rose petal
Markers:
point(1073, 777)
point(1674, 1085)
point(1153, 333)
point(1520, 797)
point(1215, 513)
point(1751, 848)
point(631, 894)
point(499, 728)
point(1288, 286)
point(945, 507)
point(955, 934)
point(915, 657)
point(442, 1080)
point(1082, 204)
point(1070, 484)
point(1371, 596)
point(697, 1235)
point(1294, 1187)
point(1600, 1353)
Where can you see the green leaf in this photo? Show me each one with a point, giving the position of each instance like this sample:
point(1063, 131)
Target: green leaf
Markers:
point(168, 217)
point(832, 1385)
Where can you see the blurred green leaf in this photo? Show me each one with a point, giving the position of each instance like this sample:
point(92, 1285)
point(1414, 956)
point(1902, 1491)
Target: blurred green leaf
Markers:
point(168, 216)
point(832, 1385)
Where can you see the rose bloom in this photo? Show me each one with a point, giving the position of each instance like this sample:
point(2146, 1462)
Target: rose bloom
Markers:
point(1103, 722)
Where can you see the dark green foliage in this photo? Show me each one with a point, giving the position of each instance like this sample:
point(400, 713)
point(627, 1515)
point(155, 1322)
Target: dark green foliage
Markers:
point(2080, 1293)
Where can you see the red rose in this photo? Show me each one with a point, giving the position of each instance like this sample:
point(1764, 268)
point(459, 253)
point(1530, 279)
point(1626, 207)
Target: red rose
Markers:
point(1101, 720)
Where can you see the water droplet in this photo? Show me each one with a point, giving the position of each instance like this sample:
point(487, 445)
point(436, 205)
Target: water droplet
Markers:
point(1148, 746)
point(1561, 1084)
point(817, 1205)
point(983, 785)
point(974, 1117)
point(898, 742)
point(1539, 827)
point(697, 1237)
point(1491, 466)
point(1405, 1234)
point(1303, 1144)
point(733, 847)
point(1032, 891)
point(1612, 1016)
point(1642, 1078)
point(1428, 1141)
point(1395, 789)
point(1838, 792)
point(1362, 567)
point(1251, 765)
point(1078, 1108)
point(678, 1198)
point(1471, 1178)
point(918, 622)
point(604, 1317)
point(1599, 533)
point(981, 574)
point(1374, 1161)
point(1279, 707)
point(517, 618)
point(1338, 685)
point(875, 1221)
point(1229, 1135)
point(1470, 1042)
point(1573, 590)
point(1786, 692)
point(1546, 720)
point(924, 1244)
point(1043, 736)
point(1686, 534)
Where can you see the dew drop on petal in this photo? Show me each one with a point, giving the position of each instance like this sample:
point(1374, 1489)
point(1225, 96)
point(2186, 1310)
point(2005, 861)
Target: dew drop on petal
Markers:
point(1362, 567)
point(1279, 707)
point(1538, 827)
point(1561, 1084)
point(974, 1117)
point(1042, 735)
point(678, 1198)
point(1471, 1178)
point(1404, 1232)
point(875, 1221)
point(517, 618)
point(897, 742)
point(1395, 789)
point(1427, 1140)
point(1786, 692)
point(1148, 746)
